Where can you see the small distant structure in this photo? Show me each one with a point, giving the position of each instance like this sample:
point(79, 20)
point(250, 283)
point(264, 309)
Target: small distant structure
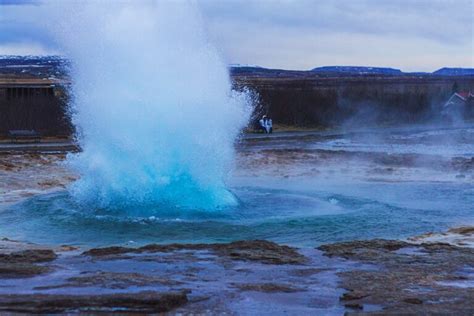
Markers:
point(459, 106)
point(459, 99)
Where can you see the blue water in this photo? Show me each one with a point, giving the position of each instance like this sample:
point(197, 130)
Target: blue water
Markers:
point(304, 218)
point(292, 197)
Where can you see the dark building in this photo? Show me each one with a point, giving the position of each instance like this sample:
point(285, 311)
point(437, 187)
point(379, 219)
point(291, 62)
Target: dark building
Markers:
point(460, 106)
point(33, 104)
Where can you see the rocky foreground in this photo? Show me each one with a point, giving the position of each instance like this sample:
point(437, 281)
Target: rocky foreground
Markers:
point(428, 274)
point(243, 277)
point(410, 278)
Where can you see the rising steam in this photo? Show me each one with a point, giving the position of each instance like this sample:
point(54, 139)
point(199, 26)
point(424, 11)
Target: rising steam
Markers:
point(152, 103)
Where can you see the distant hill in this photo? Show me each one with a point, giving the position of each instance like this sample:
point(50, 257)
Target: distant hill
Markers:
point(56, 66)
point(454, 72)
point(361, 70)
point(37, 66)
point(346, 71)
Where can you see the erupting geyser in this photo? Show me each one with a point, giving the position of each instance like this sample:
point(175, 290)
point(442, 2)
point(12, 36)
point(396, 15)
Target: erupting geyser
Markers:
point(153, 106)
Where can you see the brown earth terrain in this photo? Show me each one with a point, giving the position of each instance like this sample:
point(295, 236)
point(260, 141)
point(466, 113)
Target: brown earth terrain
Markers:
point(427, 274)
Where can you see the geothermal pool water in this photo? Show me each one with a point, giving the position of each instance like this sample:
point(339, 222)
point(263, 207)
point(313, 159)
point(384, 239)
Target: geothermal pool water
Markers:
point(157, 122)
point(297, 200)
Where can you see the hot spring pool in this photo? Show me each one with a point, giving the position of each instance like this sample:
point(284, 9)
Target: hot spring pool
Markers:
point(302, 189)
point(290, 212)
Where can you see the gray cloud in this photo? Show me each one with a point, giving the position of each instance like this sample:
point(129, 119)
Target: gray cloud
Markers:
point(409, 34)
point(301, 34)
point(411, 18)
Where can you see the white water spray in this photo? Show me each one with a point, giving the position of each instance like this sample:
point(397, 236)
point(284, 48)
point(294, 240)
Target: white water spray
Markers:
point(153, 105)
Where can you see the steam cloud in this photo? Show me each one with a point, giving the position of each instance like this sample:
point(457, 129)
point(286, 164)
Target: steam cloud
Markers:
point(152, 103)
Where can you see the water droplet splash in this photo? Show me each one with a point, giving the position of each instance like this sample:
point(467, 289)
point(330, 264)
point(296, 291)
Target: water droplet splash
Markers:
point(153, 105)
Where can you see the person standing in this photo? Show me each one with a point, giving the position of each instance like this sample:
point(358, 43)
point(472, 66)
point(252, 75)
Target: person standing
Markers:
point(269, 126)
point(263, 124)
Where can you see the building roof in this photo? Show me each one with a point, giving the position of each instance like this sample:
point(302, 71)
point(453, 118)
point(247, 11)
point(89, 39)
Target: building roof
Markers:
point(464, 94)
point(460, 97)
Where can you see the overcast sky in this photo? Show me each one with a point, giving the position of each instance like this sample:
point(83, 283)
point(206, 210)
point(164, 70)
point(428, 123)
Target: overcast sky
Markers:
point(414, 35)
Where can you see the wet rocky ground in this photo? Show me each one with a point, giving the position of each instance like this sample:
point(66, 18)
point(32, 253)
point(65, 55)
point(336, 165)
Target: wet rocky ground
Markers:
point(242, 278)
point(446, 156)
point(26, 174)
point(424, 278)
point(366, 156)
point(246, 277)
point(428, 274)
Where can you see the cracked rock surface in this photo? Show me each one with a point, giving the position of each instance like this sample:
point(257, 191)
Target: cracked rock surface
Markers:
point(244, 277)
point(407, 278)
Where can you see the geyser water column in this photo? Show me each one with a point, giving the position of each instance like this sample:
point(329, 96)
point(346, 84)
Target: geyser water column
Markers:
point(153, 106)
